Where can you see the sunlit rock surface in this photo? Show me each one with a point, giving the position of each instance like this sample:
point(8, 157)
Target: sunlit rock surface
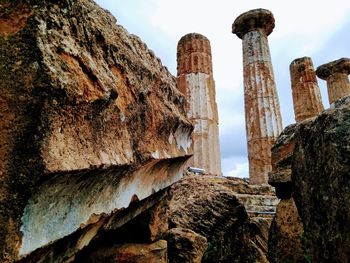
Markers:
point(90, 121)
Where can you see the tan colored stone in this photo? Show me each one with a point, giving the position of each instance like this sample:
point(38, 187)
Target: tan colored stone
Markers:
point(78, 122)
point(285, 240)
point(195, 81)
point(336, 74)
point(262, 111)
point(130, 253)
point(306, 93)
point(184, 245)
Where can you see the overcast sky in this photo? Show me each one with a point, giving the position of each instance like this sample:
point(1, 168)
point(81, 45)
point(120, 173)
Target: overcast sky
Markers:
point(318, 29)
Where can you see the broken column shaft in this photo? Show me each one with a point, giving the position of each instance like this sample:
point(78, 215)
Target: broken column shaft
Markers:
point(336, 74)
point(306, 93)
point(262, 110)
point(195, 81)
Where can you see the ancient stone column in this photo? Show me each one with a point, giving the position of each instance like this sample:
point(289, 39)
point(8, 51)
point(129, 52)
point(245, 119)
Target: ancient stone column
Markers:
point(306, 93)
point(336, 74)
point(195, 80)
point(262, 110)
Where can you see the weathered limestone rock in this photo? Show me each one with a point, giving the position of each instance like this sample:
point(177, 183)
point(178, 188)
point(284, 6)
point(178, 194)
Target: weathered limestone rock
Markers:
point(79, 136)
point(336, 74)
point(262, 110)
point(306, 93)
point(320, 174)
point(281, 162)
point(104, 231)
point(130, 253)
point(285, 239)
point(184, 245)
point(212, 207)
point(195, 81)
point(286, 232)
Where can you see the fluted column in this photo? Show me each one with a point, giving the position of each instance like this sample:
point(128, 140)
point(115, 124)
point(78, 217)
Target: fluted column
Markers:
point(336, 74)
point(307, 99)
point(195, 81)
point(262, 110)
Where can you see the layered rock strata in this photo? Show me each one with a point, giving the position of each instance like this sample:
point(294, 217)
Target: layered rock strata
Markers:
point(79, 136)
point(262, 110)
point(307, 99)
point(195, 80)
point(336, 74)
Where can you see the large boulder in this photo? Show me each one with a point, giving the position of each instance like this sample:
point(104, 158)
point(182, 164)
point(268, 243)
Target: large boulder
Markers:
point(211, 207)
point(320, 175)
point(90, 121)
point(286, 234)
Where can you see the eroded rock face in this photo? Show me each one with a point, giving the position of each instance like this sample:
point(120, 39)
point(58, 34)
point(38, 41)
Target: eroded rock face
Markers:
point(184, 245)
point(211, 207)
point(86, 109)
point(286, 234)
point(320, 174)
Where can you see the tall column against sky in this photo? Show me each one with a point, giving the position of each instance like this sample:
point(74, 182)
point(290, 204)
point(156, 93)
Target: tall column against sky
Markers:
point(306, 93)
point(262, 110)
point(195, 80)
point(336, 74)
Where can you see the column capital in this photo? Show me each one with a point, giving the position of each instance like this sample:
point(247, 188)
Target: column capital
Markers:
point(253, 20)
point(194, 54)
point(337, 66)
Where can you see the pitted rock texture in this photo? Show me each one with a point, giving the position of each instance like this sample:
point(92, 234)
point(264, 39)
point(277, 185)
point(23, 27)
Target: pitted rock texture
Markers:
point(211, 207)
point(286, 234)
point(195, 80)
point(320, 174)
point(262, 110)
point(184, 245)
point(307, 99)
point(79, 97)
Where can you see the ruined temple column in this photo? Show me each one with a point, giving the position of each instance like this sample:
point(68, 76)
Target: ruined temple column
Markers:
point(195, 81)
point(306, 93)
point(336, 74)
point(262, 110)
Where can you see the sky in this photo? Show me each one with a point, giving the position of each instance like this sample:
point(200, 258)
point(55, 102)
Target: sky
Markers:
point(317, 29)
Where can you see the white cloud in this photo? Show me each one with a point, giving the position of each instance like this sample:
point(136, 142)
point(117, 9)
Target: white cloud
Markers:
point(235, 166)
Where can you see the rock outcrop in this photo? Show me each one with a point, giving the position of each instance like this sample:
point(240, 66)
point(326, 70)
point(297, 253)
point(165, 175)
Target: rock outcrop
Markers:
point(79, 133)
point(286, 232)
point(212, 207)
point(320, 175)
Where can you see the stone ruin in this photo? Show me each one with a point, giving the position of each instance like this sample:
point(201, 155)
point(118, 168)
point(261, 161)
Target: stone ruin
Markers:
point(87, 166)
point(195, 80)
point(336, 74)
point(80, 139)
point(262, 110)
